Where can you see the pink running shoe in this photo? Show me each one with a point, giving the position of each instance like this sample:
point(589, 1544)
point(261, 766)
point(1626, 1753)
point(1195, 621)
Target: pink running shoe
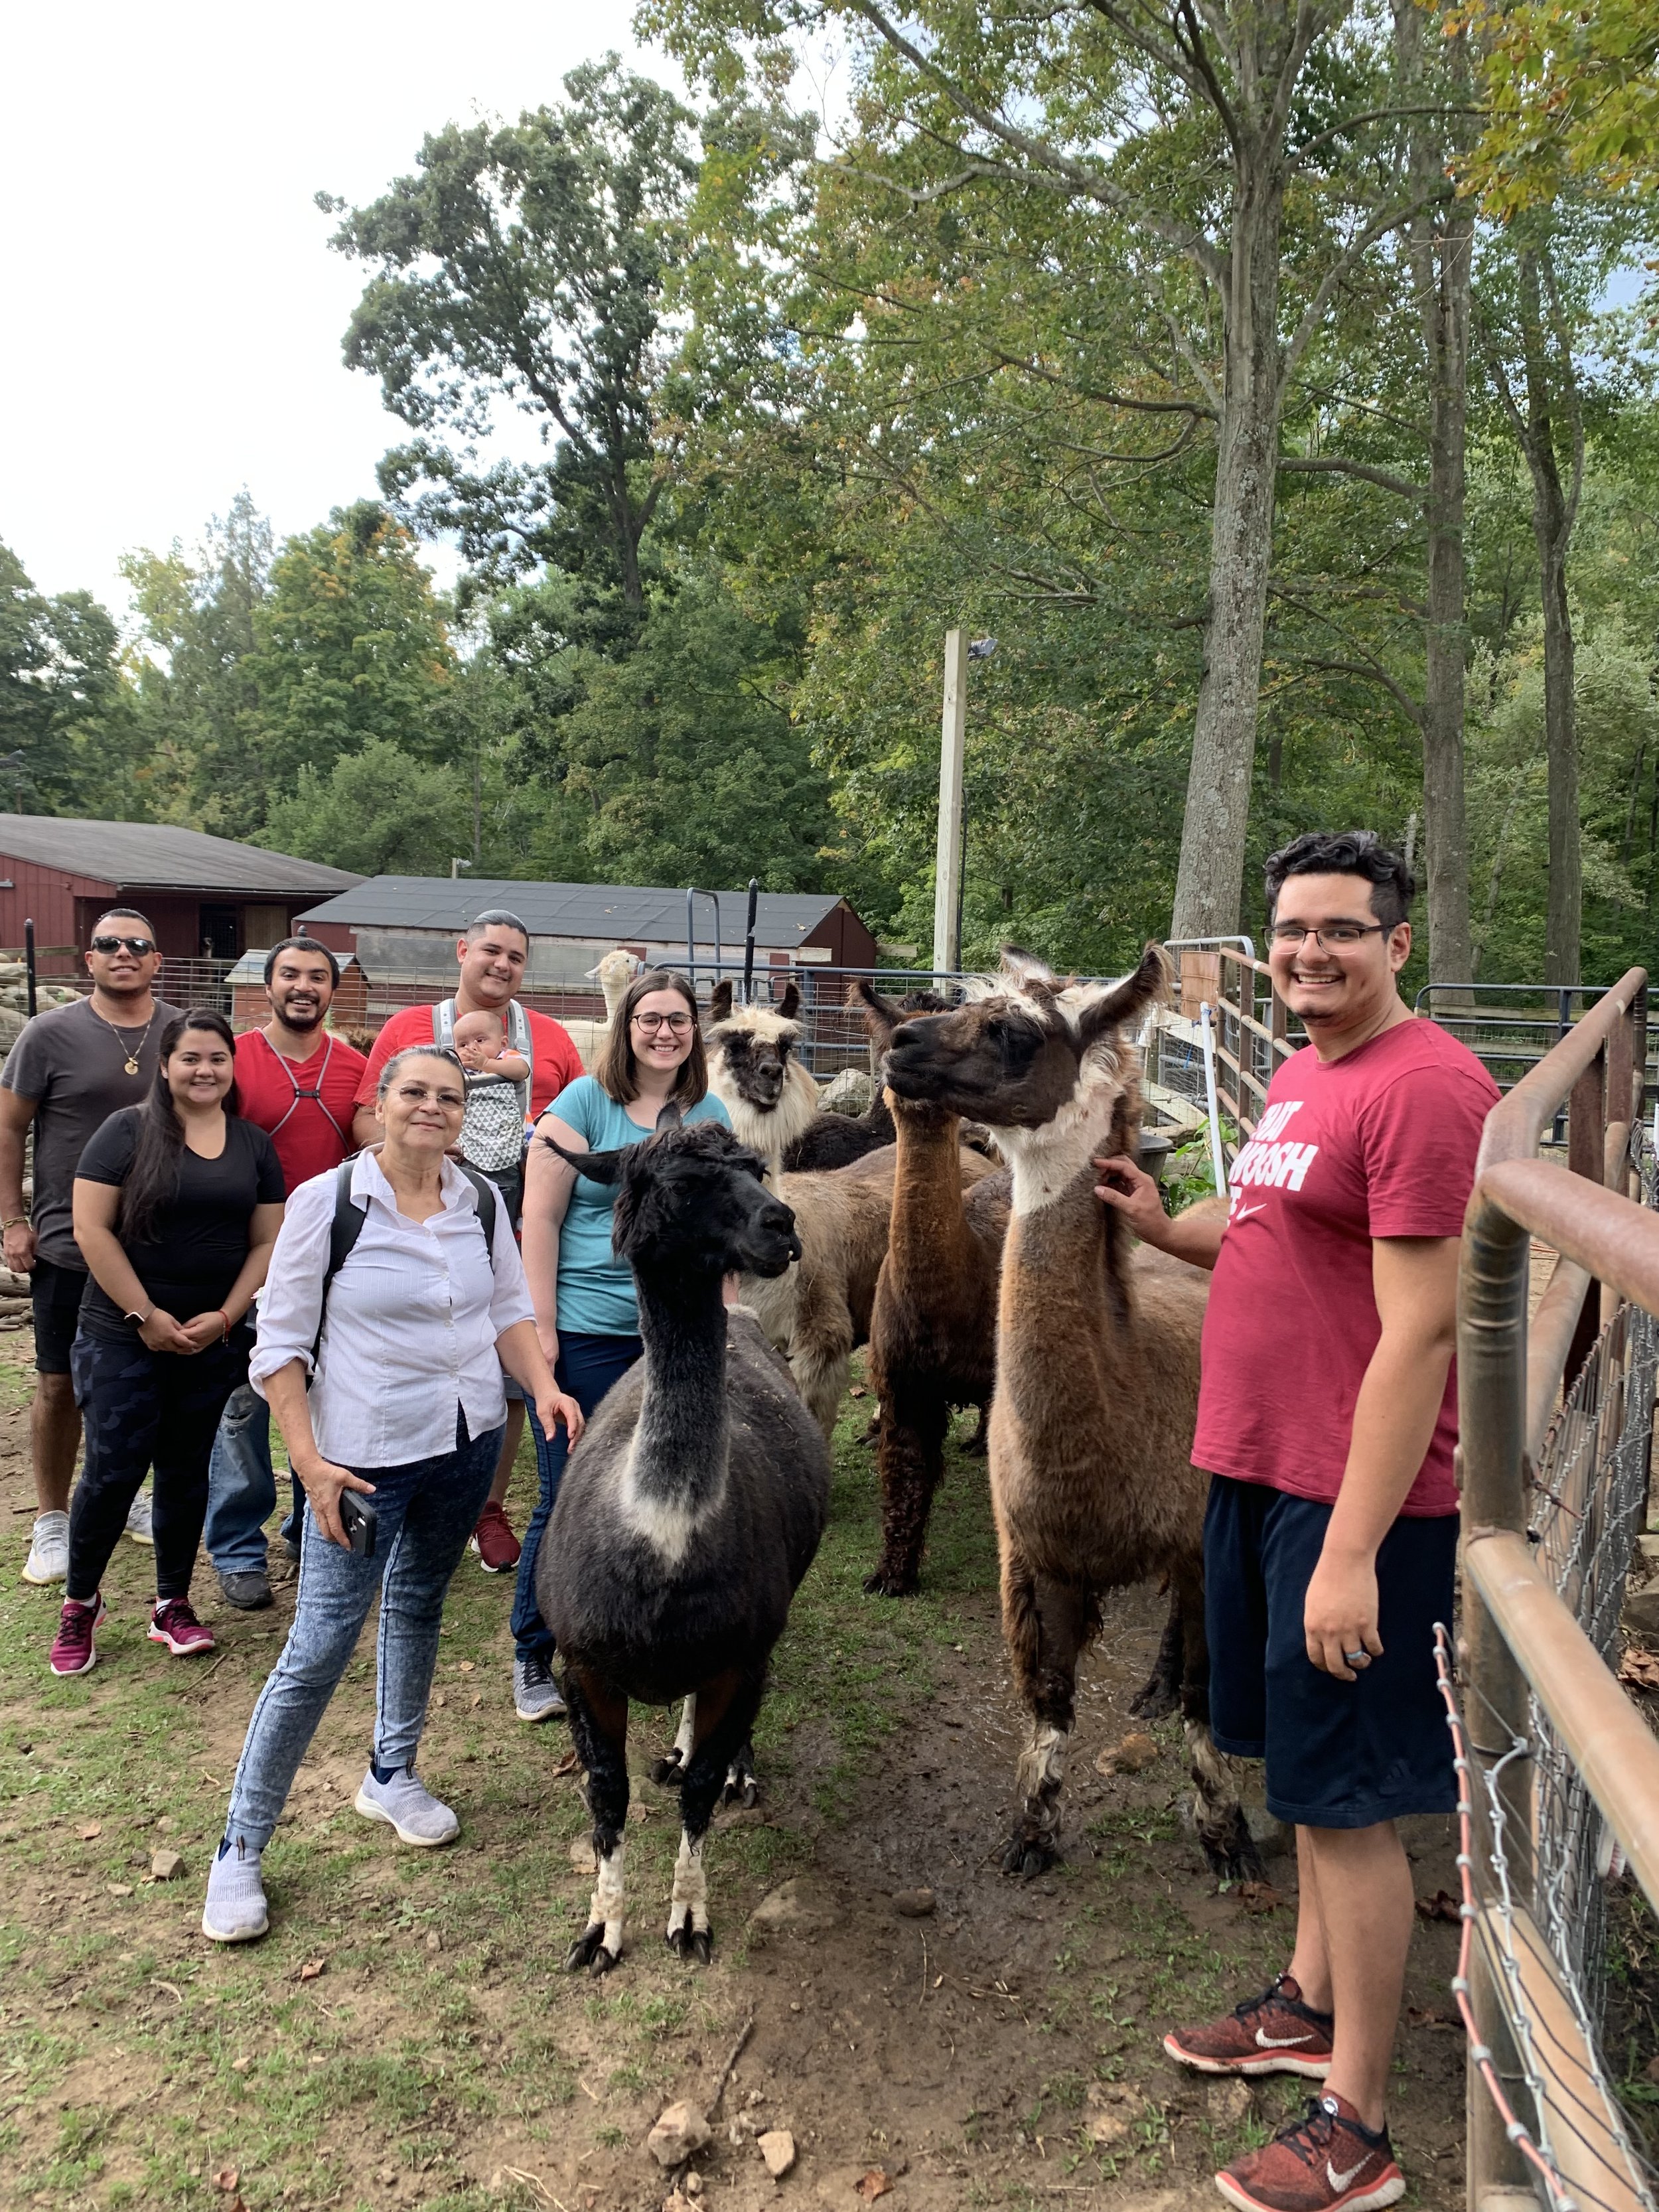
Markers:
point(74, 1648)
point(175, 1624)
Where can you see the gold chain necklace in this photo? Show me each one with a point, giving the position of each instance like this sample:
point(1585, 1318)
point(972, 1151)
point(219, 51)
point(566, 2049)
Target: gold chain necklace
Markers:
point(131, 1052)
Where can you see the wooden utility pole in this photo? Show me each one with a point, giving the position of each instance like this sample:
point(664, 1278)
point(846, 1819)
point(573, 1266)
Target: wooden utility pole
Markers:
point(947, 874)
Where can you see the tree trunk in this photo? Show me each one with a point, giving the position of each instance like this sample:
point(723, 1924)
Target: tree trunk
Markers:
point(1210, 882)
point(1441, 253)
point(1551, 525)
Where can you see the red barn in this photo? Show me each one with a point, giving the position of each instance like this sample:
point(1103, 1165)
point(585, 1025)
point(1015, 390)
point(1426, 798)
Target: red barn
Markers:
point(208, 897)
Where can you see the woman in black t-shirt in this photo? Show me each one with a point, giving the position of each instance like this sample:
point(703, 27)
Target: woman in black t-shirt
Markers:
point(177, 1205)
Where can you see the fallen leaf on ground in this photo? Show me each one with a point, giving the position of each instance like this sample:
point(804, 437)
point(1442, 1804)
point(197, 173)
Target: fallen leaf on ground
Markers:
point(226, 2178)
point(1639, 1667)
point(172, 1990)
point(310, 1969)
point(466, 1665)
point(240, 2065)
point(1134, 1755)
point(1443, 1905)
point(1421, 2016)
point(876, 2183)
point(91, 1833)
point(568, 1765)
point(1258, 1897)
point(859, 1390)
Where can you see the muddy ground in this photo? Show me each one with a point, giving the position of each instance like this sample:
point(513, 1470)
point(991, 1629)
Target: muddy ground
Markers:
point(406, 2035)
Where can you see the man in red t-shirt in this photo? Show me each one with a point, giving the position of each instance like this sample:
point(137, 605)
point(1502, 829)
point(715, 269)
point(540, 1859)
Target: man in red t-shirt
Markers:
point(493, 953)
point(299, 1083)
point(1327, 1415)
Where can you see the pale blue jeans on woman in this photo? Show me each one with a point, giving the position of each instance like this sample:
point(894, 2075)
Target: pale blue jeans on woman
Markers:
point(424, 1512)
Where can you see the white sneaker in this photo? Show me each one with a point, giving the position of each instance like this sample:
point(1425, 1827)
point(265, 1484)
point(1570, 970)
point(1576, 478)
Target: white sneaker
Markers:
point(138, 1525)
point(48, 1558)
point(235, 1909)
point(408, 1808)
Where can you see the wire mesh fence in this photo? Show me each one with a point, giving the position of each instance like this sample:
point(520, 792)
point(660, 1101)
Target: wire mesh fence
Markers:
point(1536, 1880)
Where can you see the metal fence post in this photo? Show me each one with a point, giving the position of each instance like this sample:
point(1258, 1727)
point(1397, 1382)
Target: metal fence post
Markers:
point(1491, 1317)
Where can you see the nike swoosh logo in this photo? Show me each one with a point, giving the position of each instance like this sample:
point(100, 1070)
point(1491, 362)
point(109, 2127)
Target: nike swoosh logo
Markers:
point(1245, 1211)
point(1282, 2042)
point(1341, 2181)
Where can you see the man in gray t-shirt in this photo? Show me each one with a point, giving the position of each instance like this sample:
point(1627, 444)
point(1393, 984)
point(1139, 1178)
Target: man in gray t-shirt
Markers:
point(71, 1068)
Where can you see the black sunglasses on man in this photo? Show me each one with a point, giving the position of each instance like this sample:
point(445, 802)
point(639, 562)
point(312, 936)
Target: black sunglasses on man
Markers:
point(142, 946)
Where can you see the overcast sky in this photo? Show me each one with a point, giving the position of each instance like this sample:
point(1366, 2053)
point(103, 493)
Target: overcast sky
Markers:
point(174, 316)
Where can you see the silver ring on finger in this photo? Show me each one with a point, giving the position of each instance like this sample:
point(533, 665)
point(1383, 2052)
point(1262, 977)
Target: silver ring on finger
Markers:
point(1358, 1658)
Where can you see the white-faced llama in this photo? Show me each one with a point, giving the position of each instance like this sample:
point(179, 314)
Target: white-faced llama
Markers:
point(688, 1512)
point(1097, 1374)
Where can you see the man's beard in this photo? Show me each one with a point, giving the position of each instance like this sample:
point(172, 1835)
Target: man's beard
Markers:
point(303, 1024)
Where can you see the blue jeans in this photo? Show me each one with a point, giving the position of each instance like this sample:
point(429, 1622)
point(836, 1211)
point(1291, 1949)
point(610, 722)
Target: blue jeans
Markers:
point(588, 1367)
point(424, 1512)
point(241, 1485)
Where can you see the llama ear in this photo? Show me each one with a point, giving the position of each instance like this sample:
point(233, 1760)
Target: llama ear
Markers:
point(670, 1116)
point(881, 1015)
point(719, 1001)
point(789, 1005)
point(1023, 969)
point(1147, 987)
point(598, 1167)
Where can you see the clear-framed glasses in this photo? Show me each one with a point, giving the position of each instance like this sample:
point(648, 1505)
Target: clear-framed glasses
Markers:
point(1333, 937)
point(676, 1024)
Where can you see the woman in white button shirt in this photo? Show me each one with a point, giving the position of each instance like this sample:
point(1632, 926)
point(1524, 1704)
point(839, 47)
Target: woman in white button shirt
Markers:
point(404, 1405)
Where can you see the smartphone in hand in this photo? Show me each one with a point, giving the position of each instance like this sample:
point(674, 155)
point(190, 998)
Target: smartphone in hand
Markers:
point(357, 1519)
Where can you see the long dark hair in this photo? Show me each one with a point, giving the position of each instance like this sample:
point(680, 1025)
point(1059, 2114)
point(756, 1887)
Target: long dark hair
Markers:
point(618, 1074)
point(153, 1179)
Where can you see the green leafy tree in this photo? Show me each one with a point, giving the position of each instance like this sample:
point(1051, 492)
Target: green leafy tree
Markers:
point(523, 267)
point(1570, 96)
point(377, 811)
point(64, 727)
point(350, 646)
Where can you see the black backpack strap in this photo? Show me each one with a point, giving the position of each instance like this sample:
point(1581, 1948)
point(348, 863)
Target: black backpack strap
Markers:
point(347, 1227)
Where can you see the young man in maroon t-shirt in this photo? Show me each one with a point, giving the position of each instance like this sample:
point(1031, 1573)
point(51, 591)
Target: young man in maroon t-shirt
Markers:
point(1327, 1414)
point(299, 1083)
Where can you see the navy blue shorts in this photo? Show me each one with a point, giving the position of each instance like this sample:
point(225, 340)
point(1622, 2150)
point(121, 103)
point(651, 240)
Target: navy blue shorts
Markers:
point(1338, 1754)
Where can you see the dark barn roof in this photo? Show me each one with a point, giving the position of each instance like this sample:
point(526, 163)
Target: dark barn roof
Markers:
point(589, 913)
point(156, 856)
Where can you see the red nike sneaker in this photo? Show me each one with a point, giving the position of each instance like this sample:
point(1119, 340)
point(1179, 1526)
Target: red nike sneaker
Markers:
point(1273, 2033)
point(174, 1623)
point(1329, 2162)
point(494, 1542)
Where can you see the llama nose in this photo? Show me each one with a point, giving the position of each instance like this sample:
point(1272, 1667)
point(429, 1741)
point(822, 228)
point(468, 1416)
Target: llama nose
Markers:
point(778, 1217)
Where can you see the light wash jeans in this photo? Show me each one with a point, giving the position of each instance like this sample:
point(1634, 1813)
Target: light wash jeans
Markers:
point(424, 1513)
point(241, 1485)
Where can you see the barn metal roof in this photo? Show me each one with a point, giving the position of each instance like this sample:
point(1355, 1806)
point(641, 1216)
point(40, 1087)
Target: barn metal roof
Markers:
point(590, 914)
point(157, 856)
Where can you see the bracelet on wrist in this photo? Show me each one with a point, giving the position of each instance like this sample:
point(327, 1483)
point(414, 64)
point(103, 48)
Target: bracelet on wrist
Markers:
point(224, 1317)
point(14, 1221)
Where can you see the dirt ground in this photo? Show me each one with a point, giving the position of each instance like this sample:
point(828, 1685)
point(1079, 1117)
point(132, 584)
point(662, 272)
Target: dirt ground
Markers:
point(406, 2035)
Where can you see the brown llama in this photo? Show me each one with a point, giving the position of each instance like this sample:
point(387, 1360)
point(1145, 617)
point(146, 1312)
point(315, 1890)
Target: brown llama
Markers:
point(933, 1333)
point(818, 1313)
point(1096, 1388)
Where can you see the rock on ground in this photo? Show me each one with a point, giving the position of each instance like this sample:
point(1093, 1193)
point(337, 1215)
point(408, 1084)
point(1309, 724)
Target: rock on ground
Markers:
point(680, 2132)
point(852, 1092)
point(799, 1907)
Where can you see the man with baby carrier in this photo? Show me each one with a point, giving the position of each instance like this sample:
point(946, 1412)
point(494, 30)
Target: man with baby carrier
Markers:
point(517, 1062)
point(299, 1083)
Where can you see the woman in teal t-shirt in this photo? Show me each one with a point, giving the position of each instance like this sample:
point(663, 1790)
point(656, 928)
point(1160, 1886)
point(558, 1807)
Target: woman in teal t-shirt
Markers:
point(586, 1315)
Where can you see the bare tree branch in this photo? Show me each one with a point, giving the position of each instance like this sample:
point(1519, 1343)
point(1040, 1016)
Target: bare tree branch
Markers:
point(1331, 465)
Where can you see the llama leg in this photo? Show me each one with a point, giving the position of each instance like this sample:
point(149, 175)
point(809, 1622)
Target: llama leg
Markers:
point(910, 1457)
point(726, 1715)
point(821, 1351)
point(671, 1771)
point(1051, 1623)
point(598, 1724)
point(1162, 1692)
point(1223, 1830)
point(979, 1444)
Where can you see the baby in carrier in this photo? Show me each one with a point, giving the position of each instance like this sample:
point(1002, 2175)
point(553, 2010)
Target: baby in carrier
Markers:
point(492, 1135)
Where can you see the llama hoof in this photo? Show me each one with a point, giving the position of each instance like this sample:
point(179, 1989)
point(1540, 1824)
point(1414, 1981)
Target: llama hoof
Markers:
point(588, 1950)
point(697, 1943)
point(1028, 1856)
point(1156, 1701)
point(670, 1771)
point(1233, 1857)
point(891, 1581)
point(742, 1787)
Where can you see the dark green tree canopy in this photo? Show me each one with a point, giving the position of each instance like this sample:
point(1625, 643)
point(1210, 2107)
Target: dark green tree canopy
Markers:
point(523, 266)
